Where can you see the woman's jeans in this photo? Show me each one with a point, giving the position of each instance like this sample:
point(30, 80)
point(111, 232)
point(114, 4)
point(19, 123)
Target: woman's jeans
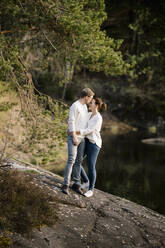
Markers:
point(92, 151)
point(75, 157)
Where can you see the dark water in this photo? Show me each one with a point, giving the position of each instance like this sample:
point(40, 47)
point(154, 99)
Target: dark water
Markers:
point(131, 169)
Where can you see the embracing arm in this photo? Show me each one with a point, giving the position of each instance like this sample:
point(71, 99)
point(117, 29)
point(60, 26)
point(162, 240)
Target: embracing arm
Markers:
point(95, 125)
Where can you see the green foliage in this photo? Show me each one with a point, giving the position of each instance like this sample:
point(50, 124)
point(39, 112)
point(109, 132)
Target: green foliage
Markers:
point(58, 33)
point(5, 106)
point(148, 58)
point(86, 45)
point(23, 205)
point(5, 87)
point(145, 59)
point(56, 38)
point(5, 241)
point(45, 136)
point(8, 59)
point(141, 25)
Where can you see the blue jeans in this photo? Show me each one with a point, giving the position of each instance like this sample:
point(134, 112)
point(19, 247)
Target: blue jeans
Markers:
point(75, 157)
point(84, 176)
point(92, 151)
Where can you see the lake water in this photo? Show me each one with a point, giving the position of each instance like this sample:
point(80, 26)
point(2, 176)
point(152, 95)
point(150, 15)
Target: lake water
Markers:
point(128, 168)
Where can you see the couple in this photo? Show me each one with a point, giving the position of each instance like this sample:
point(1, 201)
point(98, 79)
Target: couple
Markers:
point(83, 138)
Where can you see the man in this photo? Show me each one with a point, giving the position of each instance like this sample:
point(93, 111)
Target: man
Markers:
point(76, 144)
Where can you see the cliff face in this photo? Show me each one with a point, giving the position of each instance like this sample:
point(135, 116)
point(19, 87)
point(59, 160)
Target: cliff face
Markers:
point(103, 220)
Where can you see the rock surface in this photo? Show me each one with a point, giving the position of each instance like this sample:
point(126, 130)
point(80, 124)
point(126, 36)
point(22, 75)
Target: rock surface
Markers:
point(103, 220)
point(155, 141)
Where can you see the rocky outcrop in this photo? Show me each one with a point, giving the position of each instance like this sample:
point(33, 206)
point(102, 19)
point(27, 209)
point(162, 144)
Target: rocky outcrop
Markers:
point(103, 220)
point(155, 141)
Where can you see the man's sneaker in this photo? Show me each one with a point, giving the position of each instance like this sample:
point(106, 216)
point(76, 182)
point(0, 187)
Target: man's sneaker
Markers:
point(85, 185)
point(89, 193)
point(77, 188)
point(65, 189)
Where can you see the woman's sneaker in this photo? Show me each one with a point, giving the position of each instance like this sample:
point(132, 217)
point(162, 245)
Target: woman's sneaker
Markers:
point(89, 193)
point(85, 185)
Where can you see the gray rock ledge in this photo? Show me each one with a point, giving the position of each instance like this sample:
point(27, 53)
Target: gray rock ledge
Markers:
point(103, 220)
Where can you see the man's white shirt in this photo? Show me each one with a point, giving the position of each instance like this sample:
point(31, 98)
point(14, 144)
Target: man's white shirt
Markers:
point(78, 115)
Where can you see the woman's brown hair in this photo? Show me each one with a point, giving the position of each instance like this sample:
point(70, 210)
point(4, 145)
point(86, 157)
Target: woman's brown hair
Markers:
point(101, 105)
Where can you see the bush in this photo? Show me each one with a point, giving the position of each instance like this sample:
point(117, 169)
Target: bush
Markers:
point(23, 205)
point(5, 241)
point(5, 106)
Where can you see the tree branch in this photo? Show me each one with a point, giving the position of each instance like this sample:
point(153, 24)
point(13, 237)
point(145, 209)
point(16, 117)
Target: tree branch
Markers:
point(49, 41)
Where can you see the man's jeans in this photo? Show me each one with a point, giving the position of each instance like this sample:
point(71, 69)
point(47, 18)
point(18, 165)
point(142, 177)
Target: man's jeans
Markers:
point(75, 157)
point(84, 176)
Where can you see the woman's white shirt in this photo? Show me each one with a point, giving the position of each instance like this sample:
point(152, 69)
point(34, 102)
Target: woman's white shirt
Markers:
point(92, 131)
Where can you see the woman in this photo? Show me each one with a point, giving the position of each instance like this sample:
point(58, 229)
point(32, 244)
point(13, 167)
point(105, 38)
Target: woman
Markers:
point(93, 141)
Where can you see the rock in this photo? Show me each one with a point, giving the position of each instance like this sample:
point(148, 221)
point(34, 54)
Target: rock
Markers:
point(103, 220)
point(155, 141)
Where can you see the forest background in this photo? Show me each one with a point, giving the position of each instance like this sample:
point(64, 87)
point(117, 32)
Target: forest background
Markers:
point(50, 49)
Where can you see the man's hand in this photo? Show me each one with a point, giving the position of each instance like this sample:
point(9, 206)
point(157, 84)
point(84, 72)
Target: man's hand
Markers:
point(75, 140)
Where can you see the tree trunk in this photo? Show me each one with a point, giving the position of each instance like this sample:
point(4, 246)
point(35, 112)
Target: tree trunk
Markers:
point(131, 20)
point(69, 69)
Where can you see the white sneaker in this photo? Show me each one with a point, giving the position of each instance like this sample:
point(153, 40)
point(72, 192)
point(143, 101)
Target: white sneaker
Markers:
point(85, 185)
point(89, 193)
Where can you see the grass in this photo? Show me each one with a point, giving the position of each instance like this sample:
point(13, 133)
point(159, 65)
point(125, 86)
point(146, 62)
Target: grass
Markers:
point(24, 205)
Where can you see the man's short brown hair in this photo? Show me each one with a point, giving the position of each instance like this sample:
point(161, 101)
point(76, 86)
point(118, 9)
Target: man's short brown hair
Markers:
point(86, 92)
